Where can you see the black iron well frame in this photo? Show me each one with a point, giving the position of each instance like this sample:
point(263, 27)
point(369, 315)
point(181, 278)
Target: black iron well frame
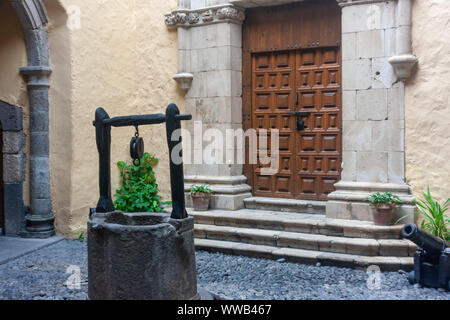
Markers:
point(103, 124)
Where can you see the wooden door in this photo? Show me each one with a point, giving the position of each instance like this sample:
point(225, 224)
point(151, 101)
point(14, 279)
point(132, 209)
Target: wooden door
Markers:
point(292, 73)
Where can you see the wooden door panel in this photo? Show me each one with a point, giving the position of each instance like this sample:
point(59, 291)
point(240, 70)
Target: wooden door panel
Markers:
point(318, 147)
point(273, 98)
point(302, 25)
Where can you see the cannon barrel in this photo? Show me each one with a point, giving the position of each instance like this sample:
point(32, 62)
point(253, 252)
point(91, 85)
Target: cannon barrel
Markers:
point(431, 244)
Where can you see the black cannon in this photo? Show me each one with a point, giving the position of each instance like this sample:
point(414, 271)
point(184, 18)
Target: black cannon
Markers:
point(432, 259)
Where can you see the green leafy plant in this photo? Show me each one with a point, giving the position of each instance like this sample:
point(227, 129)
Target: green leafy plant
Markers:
point(139, 190)
point(435, 220)
point(378, 199)
point(201, 189)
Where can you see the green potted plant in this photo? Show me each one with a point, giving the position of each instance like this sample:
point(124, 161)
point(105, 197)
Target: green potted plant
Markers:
point(201, 197)
point(383, 206)
point(435, 220)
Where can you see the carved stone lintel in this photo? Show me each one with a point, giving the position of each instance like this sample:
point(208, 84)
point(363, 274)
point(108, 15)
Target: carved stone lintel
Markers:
point(193, 18)
point(230, 13)
point(208, 16)
point(403, 65)
point(190, 18)
point(184, 80)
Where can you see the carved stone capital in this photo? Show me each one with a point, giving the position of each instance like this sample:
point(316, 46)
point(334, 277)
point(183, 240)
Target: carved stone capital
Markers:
point(216, 14)
point(37, 76)
point(403, 65)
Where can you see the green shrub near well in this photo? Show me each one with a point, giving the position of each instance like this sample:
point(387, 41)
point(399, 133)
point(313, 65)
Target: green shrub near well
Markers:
point(139, 190)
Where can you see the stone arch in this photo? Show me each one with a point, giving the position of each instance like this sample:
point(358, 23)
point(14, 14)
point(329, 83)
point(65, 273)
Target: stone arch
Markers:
point(33, 18)
point(39, 223)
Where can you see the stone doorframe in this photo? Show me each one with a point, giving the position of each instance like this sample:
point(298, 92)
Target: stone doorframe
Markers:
point(39, 223)
point(13, 167)
point(377, 60)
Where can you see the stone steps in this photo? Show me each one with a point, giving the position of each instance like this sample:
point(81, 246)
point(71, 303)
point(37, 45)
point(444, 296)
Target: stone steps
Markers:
point(295, 240)
point(285, 205)
point(302, 237)
point(306, 256)
point(296, 222)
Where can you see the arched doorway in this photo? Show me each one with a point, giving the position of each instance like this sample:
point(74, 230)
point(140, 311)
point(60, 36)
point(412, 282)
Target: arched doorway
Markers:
point(39, 223)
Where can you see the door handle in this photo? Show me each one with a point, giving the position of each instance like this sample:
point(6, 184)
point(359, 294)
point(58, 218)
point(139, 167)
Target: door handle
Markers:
point(301, 126)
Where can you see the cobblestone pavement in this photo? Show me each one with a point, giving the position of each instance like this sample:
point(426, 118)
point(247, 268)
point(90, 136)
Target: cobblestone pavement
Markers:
point(42, 276)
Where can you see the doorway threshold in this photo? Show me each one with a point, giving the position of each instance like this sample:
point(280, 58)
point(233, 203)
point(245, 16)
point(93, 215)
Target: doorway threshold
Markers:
point(286, 205)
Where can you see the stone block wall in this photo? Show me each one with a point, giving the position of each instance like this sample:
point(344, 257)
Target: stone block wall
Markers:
point(210, 49)
point(14, 166)
point(373, 119)
point(373, 33)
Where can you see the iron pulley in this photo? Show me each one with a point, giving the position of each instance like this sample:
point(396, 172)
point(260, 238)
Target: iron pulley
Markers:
point(137, 148)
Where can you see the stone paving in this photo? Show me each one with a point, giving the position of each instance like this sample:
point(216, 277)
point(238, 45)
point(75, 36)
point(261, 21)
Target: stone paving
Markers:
point(44, 275)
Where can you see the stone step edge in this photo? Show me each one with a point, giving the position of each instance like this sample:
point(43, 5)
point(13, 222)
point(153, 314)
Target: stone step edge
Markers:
point(288, 205)
point(331, 227)
point(306, 256)
point(295, 240)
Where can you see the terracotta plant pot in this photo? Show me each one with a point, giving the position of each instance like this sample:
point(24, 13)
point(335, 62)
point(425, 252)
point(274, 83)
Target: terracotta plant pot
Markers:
point(384, 214)
point(201, 201)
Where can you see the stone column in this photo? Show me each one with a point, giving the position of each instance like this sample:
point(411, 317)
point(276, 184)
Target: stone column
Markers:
point(39, 222)
point(373, 110)
point(210, 49)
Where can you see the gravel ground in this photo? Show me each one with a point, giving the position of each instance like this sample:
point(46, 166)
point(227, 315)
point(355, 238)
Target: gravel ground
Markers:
point(42, 276)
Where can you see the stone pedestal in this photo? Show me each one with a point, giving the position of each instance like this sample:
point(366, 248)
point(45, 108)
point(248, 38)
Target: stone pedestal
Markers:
point(230, 192)
point(349, 201)
point(146, 256)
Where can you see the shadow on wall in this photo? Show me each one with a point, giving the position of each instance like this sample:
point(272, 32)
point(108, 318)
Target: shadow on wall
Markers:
point(60, 115)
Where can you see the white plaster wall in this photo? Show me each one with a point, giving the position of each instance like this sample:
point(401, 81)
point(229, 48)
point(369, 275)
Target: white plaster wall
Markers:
point(121, 58)
point(428, 100)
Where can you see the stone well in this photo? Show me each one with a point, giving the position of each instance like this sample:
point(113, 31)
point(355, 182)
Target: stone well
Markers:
point(145, 256)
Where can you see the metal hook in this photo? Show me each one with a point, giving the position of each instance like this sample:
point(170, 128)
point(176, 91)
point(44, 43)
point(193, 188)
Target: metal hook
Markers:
point(136, 134)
